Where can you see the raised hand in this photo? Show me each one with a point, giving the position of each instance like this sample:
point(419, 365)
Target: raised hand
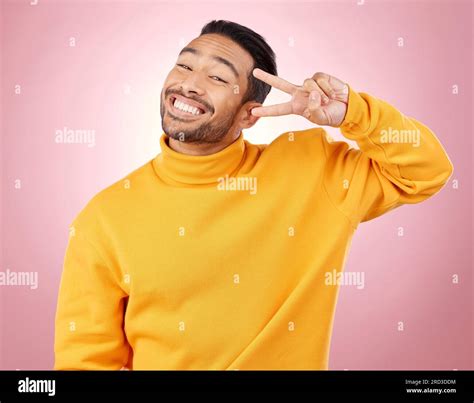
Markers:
point(321, 99)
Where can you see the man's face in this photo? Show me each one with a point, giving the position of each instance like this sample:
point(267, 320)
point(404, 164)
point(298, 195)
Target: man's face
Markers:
point(201, 100)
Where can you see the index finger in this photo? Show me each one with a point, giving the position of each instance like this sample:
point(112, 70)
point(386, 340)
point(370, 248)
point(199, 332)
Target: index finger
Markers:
point(274, 81)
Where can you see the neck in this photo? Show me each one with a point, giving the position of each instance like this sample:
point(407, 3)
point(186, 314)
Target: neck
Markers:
point(203, 148)
point(177, 168)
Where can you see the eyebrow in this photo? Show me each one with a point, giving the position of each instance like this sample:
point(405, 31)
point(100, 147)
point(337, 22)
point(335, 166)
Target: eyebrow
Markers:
point(216, 58)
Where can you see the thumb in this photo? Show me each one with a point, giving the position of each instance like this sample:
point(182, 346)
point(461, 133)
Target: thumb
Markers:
point(314, 112)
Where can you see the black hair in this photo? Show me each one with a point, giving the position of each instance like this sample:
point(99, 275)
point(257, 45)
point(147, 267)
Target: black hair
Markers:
point(262, 54)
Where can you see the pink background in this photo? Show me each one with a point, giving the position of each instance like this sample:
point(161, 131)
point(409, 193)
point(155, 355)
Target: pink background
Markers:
point(110, 82)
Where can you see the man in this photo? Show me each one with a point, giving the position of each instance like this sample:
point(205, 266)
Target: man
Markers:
point(214, 254)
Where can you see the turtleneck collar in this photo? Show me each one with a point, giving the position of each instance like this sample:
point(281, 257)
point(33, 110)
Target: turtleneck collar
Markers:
point(175, 167)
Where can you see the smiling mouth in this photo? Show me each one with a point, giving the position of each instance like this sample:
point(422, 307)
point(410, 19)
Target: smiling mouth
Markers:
point(180, 108)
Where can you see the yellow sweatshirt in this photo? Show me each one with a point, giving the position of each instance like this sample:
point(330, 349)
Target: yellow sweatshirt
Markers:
point(221, 261)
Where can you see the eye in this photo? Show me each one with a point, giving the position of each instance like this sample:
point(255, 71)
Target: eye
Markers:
point(215, 78)
point(183, 66)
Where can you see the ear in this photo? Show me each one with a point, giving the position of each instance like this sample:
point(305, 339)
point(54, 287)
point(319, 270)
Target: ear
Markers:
point(246, 119)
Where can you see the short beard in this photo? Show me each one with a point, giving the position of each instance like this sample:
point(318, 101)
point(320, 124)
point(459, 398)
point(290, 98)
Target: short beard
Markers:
point(205, 134)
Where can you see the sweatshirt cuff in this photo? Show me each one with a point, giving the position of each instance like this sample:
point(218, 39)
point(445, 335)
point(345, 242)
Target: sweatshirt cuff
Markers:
point(356, 109)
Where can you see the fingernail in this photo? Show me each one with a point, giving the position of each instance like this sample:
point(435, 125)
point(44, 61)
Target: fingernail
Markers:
point(313, 95)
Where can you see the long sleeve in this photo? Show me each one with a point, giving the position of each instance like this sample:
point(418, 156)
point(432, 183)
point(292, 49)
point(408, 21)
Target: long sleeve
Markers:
point(89, 318)
point(400, 160)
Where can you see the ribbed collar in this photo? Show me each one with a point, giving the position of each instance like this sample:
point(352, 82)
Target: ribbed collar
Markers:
point(174, 167)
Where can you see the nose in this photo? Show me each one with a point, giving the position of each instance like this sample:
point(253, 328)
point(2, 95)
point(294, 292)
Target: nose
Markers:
point(193, 84)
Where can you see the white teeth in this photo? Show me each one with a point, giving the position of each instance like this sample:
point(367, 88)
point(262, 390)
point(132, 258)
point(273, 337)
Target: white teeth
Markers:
point(186, 108)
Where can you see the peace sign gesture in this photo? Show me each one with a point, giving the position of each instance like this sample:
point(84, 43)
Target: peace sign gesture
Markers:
point(321, 99)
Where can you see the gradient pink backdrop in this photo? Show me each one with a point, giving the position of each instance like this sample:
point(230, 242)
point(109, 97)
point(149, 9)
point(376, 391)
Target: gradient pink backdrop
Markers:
point(111, 81)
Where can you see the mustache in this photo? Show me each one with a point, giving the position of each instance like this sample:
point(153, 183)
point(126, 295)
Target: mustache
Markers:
point(202, 102)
